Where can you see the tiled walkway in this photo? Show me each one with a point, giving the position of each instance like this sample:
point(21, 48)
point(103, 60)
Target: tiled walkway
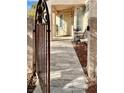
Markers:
point(67, 76)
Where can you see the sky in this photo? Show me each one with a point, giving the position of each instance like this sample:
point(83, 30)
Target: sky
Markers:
point(30, 2)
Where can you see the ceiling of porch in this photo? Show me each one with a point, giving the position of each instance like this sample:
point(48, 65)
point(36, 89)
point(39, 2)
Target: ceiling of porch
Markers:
point(63, 7)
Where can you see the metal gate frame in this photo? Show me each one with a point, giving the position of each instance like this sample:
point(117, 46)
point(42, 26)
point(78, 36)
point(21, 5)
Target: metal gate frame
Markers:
point(42, 45)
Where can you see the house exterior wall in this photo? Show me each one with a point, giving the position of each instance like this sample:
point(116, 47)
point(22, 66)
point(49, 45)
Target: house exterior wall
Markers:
point(92, 40)
point(52, 3)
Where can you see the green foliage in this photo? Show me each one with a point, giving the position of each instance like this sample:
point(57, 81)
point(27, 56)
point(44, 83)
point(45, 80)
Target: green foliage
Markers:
point(31, 12)
point(34, 5)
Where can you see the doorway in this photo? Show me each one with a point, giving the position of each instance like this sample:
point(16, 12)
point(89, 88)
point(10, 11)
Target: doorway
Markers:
point(63, 24)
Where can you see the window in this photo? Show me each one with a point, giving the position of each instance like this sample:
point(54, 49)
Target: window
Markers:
point(61, 20)
point(78, 19)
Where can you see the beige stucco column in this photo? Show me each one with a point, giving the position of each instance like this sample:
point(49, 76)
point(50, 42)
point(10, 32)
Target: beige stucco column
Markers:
point(92, 40)
point(53, 24)
point(75, 17)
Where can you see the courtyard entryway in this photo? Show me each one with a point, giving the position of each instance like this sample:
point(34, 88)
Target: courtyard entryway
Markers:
point(63, 48)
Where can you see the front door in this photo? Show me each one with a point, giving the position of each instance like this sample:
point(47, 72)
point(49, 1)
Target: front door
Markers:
point(63, 22)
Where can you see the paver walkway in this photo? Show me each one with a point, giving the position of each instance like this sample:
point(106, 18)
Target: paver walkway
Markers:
point(67, 75)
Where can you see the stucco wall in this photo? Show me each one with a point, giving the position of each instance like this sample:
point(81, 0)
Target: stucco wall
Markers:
point(92, 55)
point(92, 40)
point(30, 27)
point(93, 8)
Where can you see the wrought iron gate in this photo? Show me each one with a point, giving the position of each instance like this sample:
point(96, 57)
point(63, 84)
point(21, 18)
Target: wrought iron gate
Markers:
point(42, 45)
